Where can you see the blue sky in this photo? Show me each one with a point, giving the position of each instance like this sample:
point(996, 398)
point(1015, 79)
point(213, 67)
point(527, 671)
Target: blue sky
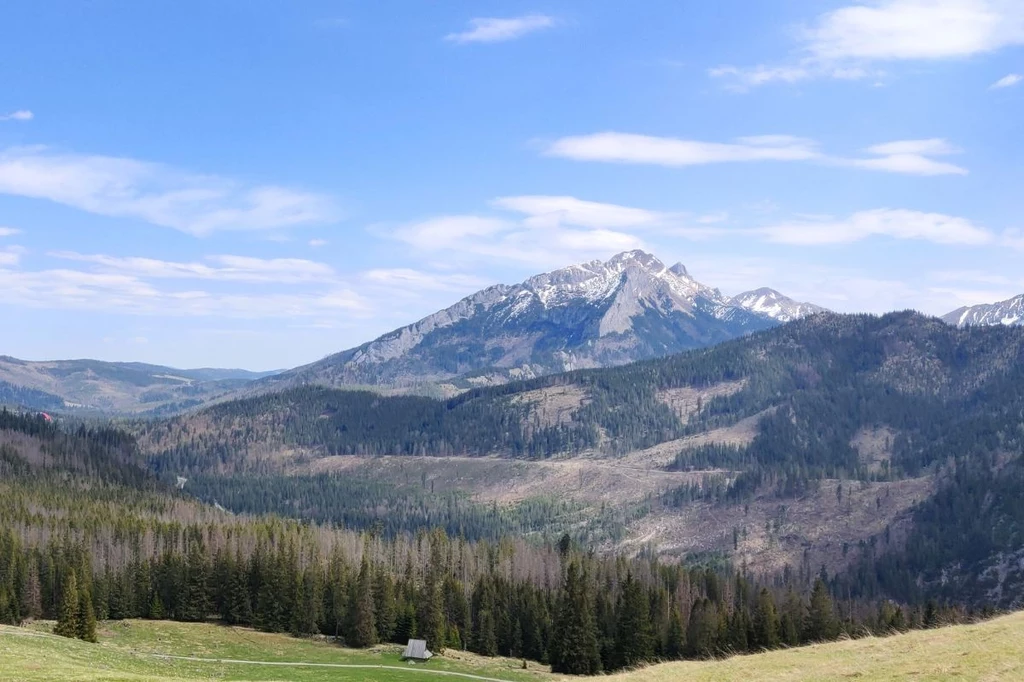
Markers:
point(258, 184)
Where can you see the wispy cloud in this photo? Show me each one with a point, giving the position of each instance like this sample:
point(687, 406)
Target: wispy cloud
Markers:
point(157, 194)
point(10, 256)
point(549, 231)
point(495, 30)
point(8, 231)
point(410, 280)
point(317, 243)
point(894, 223)
point(846, 42)
point(225, 268)
point(121, 293)
point(1007, 81)
point(910, 157)
point(20, 115)
point(553, 211)
point(668, 151)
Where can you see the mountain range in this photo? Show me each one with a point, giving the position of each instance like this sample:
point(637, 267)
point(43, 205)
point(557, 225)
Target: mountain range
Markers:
point(597, 314)
point(93, 385)
point(1009, 312)
point(890, 446)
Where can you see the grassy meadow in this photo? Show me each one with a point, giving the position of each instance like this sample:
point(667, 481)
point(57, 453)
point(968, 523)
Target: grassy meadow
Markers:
point(135, 650)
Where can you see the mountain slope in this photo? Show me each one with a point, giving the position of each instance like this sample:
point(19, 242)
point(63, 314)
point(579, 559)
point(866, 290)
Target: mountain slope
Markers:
point(595, 314)
point(869, 433)
point(113, 386)
point(1009, 312)
point(770, 303)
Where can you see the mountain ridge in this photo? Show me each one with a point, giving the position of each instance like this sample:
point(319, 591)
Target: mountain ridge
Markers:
point(1008, 313)
point(126, 387)
point(593, 314)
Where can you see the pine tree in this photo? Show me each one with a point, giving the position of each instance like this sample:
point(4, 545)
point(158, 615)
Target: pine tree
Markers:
point(574, 649)
point(766, 621)
point(86, 626)
point(821, 618)
point(195, 601)
point(68, 614)
point(363, 629)
point(676, 636)
point(31, 595)
point(308, 604)
point(239, 605)
point(156, 607)
point(633, 641)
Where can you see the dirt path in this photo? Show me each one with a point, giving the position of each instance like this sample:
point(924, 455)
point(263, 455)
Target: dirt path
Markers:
point(299, 664)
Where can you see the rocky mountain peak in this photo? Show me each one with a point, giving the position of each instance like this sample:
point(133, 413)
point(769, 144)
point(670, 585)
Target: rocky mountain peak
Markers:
point(593, 314)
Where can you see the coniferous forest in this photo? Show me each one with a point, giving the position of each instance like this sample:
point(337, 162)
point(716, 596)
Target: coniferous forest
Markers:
point(88, 534)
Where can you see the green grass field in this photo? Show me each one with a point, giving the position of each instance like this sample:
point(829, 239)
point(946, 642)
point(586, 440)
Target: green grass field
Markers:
point(132, 650)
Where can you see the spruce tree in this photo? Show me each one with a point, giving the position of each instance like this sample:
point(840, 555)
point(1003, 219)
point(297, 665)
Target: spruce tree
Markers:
point(31, 595)
point(195, 601)
point(821, 618)
point(68, 614)
point(574, 649)
point(362, 631)
point(85, 628)
point(676, 636)
point(766, 621)
point(633, 641)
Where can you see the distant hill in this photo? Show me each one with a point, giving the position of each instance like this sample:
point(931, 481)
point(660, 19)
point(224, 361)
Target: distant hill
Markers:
point(595, 314)
point(126, 387)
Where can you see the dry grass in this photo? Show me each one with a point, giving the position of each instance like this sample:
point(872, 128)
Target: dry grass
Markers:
point(686, 401)
point(551, 406)
point(774, 533)
point(989, 651)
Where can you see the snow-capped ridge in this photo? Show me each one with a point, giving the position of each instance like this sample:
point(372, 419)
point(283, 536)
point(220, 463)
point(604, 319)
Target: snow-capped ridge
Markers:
point(594, 314)
point(1008, 313)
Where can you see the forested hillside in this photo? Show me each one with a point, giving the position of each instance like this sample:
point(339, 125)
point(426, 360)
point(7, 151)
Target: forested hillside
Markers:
point(87, 534)
point(93, 386)
point(830, 398)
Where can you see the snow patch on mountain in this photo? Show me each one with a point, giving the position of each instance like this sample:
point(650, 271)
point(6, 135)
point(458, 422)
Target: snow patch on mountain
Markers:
point(1008, 313)
point(770, 303)
point(593, 314)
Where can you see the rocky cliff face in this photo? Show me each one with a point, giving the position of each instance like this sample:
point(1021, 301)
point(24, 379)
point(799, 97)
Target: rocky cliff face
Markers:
point(594, 314)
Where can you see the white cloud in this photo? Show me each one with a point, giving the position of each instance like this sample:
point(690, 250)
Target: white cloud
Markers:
point(894, 223)
point(908, 156)
point(555, 230)
point(317, 243)
point(444, 232)
point(668, 151)
point(122, 187)
point(225, 268)
point(8, 231)
point(494, 30)
point(1007, 81)
point(552, 211)
point(844, 42)
point(409, 280)
point(111, 292)
point(20, 115)
point(916, 29)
